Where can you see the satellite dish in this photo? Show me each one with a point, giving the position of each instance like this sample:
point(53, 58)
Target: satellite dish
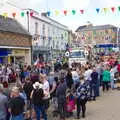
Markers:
point(67, 54)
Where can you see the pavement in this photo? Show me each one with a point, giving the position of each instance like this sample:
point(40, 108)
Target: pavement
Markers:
point(106, 107)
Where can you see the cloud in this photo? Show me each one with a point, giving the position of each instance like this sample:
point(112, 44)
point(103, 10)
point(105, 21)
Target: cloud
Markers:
point(23, 3)
point(110, 2)
point(76, 4)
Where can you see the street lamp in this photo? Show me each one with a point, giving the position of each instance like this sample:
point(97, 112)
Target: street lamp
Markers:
point(28, 20)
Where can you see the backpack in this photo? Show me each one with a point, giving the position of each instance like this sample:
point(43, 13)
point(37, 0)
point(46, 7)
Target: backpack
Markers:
point(37, 97)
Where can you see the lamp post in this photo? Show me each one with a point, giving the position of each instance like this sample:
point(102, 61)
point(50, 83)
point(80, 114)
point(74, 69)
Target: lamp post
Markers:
point(28, 20)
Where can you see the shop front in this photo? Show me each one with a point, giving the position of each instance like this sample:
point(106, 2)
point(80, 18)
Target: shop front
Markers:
point(20, 56)
point(15, 55)
point(4, 53)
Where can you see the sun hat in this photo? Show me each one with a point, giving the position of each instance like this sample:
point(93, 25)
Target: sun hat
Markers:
point(37, 85)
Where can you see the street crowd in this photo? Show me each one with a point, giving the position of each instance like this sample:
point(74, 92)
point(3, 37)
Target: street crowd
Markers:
point(28, 92)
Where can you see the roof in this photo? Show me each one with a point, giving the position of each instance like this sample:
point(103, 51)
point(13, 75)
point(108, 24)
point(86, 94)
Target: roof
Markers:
point(45, 15)
point(81, 27)
point(41, 19)
point(11, 25)
point(100, 27)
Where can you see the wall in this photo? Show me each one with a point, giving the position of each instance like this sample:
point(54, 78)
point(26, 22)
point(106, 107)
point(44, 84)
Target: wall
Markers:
point(104, 36)
point(51, 30)
point(13, 39)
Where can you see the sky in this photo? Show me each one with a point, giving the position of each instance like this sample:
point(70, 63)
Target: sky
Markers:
point(74, 21)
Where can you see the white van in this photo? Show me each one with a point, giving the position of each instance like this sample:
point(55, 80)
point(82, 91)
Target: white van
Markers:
point(77, 56)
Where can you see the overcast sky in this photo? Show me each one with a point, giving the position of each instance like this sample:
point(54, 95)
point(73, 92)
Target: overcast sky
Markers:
point(73, 21)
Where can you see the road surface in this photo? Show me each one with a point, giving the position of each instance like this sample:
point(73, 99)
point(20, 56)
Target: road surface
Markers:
point(106, 107)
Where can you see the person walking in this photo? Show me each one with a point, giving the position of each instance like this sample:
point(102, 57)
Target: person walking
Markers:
point(87, 77)
point(16, 105)
point(106, 78)
point(61, 97)
point(46, 89)
point(83, 93)
point(69, 79)
point(94, 82)
point(3, 104)
point(37, 96)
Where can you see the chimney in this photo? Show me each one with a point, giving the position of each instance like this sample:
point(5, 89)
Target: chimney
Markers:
point(44, 14)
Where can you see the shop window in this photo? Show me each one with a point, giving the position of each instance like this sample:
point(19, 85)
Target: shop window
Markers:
point(43, 29)
point(36, 27)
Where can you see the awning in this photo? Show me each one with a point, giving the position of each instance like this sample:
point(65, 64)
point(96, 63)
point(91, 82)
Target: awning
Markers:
point(4, 52)
point(106, 46)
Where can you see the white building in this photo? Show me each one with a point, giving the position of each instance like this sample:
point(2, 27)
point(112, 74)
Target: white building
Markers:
point(49, 36)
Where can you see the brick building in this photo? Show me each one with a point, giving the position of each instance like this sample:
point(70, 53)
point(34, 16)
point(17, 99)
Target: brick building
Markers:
point(15, 42)
point(102, 37)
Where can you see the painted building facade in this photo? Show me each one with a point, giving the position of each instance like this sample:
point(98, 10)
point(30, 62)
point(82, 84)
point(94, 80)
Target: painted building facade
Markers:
point(104, 36)
point(97, 34)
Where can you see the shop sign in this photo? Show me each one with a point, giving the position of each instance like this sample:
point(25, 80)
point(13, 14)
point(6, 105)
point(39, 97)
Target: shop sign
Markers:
point(19, 52)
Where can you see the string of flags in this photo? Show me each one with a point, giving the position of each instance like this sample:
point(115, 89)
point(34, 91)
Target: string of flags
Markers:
point(82, 11)
point(64, 12)
point(14, 14)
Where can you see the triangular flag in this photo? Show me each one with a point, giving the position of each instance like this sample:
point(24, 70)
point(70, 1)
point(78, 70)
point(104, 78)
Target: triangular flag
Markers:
point(31, 14)
point(14, 15)
point(105, 10)
point(119, 8)
point(98, 10)
point(57, 13)
point(82, 11)
point(48, 13)
point(22, 14)
point(73, 12)
point(5, 14)
point(65, 12)
point(113, 9)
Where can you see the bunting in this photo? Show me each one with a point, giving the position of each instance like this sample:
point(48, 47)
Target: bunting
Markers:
point(57, 13)
point(5, 15)
point(65, 12)
point(48, 13)
point(113, 9)
point(14, 15)
point(98, 10)
point(106, 10)
point(73, 12)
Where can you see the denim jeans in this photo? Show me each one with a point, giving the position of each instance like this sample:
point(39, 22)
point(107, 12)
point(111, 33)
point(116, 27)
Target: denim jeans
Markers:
point(90, 85)
point(40, 110)
point(98, 87)
point(94, 91)
point(18, 117)
point(112, 82)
